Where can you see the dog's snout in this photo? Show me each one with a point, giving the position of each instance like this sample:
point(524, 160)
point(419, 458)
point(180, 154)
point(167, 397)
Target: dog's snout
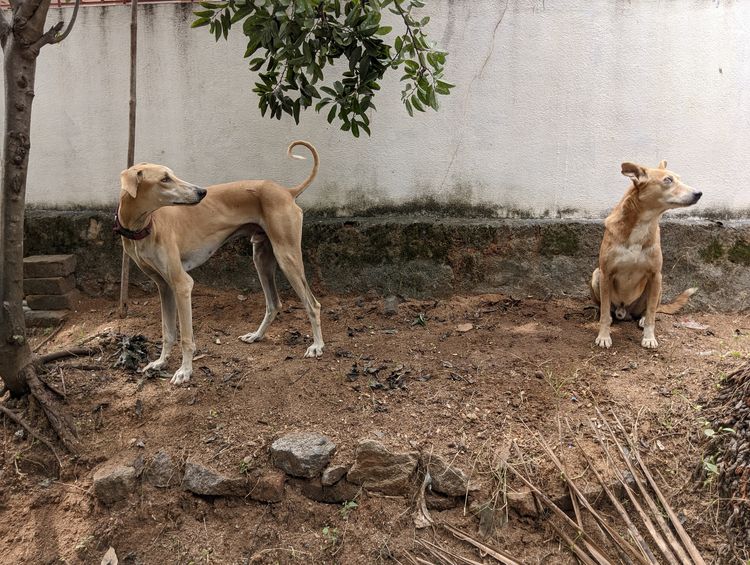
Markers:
point(201, 192)
point(697, 196)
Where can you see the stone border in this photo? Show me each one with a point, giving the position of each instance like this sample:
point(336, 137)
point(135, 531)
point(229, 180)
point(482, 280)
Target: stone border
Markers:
point(302, 460)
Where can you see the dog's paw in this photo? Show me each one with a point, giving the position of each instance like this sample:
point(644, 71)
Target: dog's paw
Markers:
point(252, 337)
point(314, 350)
point(649, 342)
point(181, 376)
point(604, 342)
point(157, 365)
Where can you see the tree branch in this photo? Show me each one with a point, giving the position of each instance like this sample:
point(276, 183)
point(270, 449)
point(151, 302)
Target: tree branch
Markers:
point(48, 37)
point(26, 10)
point(65, 34)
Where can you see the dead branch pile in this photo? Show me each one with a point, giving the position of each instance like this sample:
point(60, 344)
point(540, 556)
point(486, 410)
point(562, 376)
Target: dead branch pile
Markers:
point(639, 525)
point(728, 452)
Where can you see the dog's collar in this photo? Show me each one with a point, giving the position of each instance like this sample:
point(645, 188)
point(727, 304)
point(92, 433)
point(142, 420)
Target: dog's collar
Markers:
point(130, 234)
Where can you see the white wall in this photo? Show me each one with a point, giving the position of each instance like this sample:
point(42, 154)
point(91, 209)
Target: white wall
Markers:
point(549, 101)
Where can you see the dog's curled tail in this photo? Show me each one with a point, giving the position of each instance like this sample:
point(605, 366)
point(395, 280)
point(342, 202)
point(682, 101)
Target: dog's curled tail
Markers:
point(679, 301)
point(297, 190)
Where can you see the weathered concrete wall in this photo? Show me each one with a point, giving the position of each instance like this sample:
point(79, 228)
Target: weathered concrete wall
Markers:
point(430, 256)
point(552, 95)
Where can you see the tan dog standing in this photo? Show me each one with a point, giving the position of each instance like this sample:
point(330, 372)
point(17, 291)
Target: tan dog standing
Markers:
point(166, 240)
point(628, 280)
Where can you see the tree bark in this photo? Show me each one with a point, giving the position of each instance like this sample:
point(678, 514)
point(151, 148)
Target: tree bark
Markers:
point(20, 50)
point(125, 271)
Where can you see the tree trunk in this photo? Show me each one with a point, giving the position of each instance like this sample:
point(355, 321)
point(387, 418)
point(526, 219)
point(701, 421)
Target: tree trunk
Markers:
point(19, 69)
point(125, 271)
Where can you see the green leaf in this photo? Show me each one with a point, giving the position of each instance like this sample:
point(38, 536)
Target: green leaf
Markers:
point(385, 30)
point(200, 22)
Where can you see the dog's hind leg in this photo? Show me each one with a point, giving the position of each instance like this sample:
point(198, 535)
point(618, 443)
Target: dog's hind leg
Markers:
point(168, 322)
point(265, 264)
point(287, 247)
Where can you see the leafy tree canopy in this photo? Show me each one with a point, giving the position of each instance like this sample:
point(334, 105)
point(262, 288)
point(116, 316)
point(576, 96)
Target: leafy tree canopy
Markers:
point(290, 42)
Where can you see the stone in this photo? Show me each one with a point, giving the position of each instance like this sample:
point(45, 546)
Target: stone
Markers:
point(313, 489)
point(54, 285)
point(161, 471)
point(48, 266)
point(51, 301)
point(110, 558)
point(390, 305)
point(333, 474)
point(379, 470)
point(303, 454)
point(207, 482)
point(522, 503)
point(44, 318)
point(446, 479)
point(113, 483)
point(267, 486)
point(439, 503)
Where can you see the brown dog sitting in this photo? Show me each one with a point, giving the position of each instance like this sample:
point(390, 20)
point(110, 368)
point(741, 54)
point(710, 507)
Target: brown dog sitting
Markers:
point(628, 280)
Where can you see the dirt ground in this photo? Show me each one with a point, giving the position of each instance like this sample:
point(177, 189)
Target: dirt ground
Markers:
point(413, 380)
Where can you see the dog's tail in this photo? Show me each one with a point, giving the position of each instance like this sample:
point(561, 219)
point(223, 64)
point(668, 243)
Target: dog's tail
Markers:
point(297, 190)
point(679, 301)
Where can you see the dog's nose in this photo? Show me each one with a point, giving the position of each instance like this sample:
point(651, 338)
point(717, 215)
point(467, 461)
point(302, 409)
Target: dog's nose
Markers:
point(201, 193)
point(697, 196)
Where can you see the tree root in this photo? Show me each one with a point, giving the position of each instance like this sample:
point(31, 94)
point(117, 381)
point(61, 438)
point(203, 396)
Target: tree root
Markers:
point(60, 422)
point(74, 352)
point(21, 422)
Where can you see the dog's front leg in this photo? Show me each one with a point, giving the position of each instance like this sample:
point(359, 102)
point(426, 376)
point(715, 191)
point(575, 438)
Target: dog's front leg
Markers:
point(168, 324)
point(183, 292)
point(649, 319)
point(605, 314)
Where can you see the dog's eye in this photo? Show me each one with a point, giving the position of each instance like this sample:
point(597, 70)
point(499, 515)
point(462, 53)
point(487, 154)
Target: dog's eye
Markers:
point(165, 179)
point(668, 180)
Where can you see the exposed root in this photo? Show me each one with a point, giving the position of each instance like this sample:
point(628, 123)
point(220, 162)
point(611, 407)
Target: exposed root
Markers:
point(63, 354)
point(60, 422)
point(21, 422)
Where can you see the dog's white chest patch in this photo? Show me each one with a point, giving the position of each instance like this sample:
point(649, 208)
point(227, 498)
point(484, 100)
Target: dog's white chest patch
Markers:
point(630, 256)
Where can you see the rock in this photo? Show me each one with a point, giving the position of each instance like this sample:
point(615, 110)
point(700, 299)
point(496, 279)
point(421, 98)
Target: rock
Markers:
point(110, 558)
point(302, 454)
point(463, 328)
point(267, 486)
point(313, 489)
point(333, 474)
point(522, 503)
point(161, 471)
point(113, 483)
point(438, 502)
point(390, 305)
point(446, 479)
point(377, 469)
point(206, 482)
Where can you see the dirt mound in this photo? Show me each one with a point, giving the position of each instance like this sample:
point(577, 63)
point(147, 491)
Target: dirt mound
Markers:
point(461, 378)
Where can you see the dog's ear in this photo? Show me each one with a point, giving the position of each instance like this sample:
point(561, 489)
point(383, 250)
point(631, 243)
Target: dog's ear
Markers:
point(662, 164)
point(129, 180)
point(635, 172)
